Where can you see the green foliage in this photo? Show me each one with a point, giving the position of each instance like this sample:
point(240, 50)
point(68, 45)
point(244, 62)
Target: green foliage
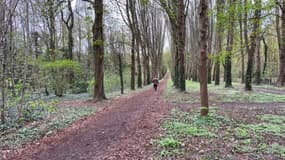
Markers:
point(79, 86)
point(57, 74)
point(168, 153)
point(241, 133)
point(276, 129)
point(69, 117)
point(169, 142)
point(273, 118)
point(62, 65)
point(62, 118)
point(243, 138)
point(37, 110)
point(98, 43)
point(257, 97)
point(111, 81)
point(279, 149)
point(144, 2)
point(182, 129)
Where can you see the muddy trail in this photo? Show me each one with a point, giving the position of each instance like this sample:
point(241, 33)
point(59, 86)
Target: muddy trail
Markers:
point(123, 130)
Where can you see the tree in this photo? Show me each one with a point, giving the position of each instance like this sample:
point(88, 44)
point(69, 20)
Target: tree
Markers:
point(69, 23)
point(98, 49)
point(50, 16)
point(117, 46)
point(144, 20)
point(176, 12)
point(253, 40)
point(281, 37)
point(6, 14)
point(203, 44)
point(230, 43)
point(241, 40)
point(219, 39)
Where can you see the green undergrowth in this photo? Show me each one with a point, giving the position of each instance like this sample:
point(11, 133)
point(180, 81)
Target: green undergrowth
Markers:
point(221, 94)
point(28, 133)
point(174, 95)
point(187, 133)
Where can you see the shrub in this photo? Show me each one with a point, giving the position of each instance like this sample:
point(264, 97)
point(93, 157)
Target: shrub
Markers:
point(57, 74)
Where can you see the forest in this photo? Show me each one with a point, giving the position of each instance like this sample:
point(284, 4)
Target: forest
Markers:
point(79, 73)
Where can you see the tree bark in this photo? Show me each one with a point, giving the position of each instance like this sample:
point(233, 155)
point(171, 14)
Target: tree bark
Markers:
point(98, 42)
point(258, 62)
point(69, 23)
point(181, 17)
point(230, 43)
point(241, 45)
point(281, 79)
point(265, 55)
point(203, 57)
point(121, 72)
point(133, 64)
point(52, 30)
point(219, 41)
point(176, 15)
point(210, 42)
point(139, 80)
point(253, 37)
point(2, 60)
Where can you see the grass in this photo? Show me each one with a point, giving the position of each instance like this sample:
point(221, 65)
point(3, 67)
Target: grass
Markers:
point(188, 128)
point(278, 149)
point(174, 95)
point(15, 134)
point(221, 94)
point(275, 119)
point(61, 119)
point(224, 133)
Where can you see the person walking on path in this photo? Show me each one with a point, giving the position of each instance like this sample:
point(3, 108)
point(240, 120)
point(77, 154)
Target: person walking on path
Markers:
point(155, 82)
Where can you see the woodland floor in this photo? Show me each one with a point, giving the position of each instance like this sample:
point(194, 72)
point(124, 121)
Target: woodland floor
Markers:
point(123, 129)
point(150, 125)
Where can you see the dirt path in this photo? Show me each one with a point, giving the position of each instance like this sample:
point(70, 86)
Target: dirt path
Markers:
point(122, 131)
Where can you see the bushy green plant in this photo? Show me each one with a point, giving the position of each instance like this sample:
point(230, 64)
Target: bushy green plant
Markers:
point(169, 142)
point(37, 110)
point(241, 132)
point(273, 118)
point(57, 74)
point(275, 129)
point(276, 148)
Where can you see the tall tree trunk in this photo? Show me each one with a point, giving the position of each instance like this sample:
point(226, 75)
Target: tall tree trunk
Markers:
point(3, 58)
point(181, 17)
point(245, 29)
point(133, 64)
point(148, 70)
point(210, 42)
point(281, 79)
point(265, 55)
point(176, 16)
point(175, 56)
point(69, 23)
point(241, 45)
point(278, 30)
point(203, 57)
point(230, 43)
point(219, 37)
point(253, 37)
point(121, 72)
point(52, 30)
point(139, 83)
point(258, 62)
point(27, 51)
point(98, 41)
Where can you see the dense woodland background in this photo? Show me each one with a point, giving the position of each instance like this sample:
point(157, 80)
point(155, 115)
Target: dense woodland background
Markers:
point(59, 47)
